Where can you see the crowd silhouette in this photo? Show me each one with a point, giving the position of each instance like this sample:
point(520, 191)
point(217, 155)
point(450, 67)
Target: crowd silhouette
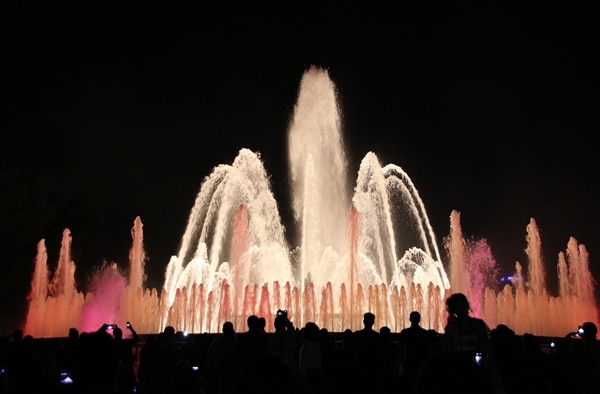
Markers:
point(467, 357)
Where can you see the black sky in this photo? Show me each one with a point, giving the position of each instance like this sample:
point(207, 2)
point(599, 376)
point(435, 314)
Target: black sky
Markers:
point(116, 113)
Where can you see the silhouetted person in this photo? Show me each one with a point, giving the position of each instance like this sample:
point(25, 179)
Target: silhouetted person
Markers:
point(127, 354)
point(534, 376)
point(327, 351)
point(582, 363)
point(283, 340)
point(149, 367)
point(25, 368)
point(98, 361)
point(345, 368)
point(415, 346)
point(508, 349)
point(196, 350)
point(470, 336)
point(169, 355)
point(347, 350)
point(262, 324)
point(368, 355)
point(220, 357)
point(71, 349)
point(388, 372)
point(310, 361)
point(68, 364)
point(590, 372)
point(254, 341)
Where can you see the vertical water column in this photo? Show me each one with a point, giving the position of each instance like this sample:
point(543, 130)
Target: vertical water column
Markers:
point(317, 165)
point(455, 243)
point(240, 275)
point(54, 306)
point(350, 309)
point(538, 304)
point(576, 286)
point(38, 293)
point(138, 305)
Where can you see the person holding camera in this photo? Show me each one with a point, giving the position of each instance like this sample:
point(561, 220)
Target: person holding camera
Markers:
point(283, 340)
point(470, 336)
point(582, 360)
point(127, 349)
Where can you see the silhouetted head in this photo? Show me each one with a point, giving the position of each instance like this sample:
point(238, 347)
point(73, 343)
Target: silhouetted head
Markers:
point(504, 329)
point(27, 341)
point(414, 317)
point(589, 330)
point(385, 330)
point(169, 331)
point(73, 333)
point(502, 334)
point(228, 328)
point(457, 304)
point(253, 322)
point(262, 323)
point(530, 343)
point(368, 319)
point(347, 336)
point(118, 333)
point(311, 331)
point(280, 322)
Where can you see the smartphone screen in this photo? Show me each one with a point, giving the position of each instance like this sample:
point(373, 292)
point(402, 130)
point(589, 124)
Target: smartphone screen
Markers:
point(65, 378)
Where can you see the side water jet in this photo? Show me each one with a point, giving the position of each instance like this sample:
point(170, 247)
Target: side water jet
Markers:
point(525, 304)
point(370, 248)
point(55, 304)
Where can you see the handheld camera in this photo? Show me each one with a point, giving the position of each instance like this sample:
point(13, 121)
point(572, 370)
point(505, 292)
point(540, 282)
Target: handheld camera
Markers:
point(478, 358)
point(65, 377)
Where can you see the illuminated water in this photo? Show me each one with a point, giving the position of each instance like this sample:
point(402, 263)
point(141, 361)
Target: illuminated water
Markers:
point(365, 245)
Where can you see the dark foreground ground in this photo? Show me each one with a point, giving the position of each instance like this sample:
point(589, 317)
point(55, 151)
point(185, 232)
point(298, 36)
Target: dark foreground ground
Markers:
point(527, 364)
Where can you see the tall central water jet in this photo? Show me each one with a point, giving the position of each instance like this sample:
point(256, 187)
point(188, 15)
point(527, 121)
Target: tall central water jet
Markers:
point(319, 182)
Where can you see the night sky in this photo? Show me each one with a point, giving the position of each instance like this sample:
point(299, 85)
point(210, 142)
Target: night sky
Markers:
point(116, 113)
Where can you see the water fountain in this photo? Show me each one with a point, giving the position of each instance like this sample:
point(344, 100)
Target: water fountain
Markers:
point(367, 249)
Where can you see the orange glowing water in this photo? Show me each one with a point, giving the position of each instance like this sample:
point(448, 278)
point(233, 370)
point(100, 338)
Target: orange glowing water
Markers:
point(55, 305)
point(526, 305)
